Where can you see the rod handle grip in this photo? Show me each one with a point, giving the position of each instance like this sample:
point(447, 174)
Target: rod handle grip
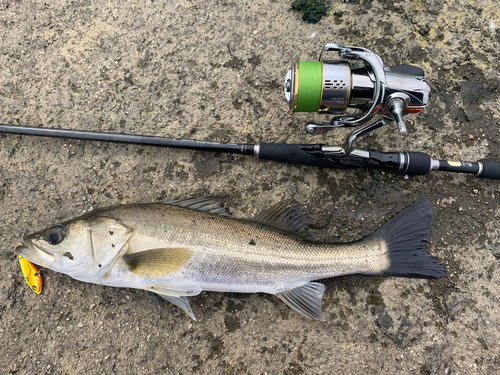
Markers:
point(418, 163)
point(291, 153)
point(491, 169)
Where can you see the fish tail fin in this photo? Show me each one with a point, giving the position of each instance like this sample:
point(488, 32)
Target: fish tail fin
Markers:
point(406, 237)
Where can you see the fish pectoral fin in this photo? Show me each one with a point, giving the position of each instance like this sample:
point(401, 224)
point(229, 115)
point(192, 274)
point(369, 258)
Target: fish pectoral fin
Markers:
point(181, 302)
point(305, 299)
point(157, 262)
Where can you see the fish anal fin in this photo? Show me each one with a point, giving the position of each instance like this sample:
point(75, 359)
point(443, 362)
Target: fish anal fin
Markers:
point(157, 262)
point(287, 217)
point(181, 302)
point(306, 299)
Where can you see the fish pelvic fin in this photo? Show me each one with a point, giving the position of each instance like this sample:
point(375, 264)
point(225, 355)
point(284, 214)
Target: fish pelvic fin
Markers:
point(176, 289)
point(181, 302)
point(176, 293)
point(306, 299)
point(405, 237)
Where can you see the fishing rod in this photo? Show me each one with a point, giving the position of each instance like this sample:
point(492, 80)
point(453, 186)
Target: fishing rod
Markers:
point(375, 95)
point(317, 155)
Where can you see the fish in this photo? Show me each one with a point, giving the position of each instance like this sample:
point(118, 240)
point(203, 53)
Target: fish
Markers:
point(182, 247)
point(31, 275)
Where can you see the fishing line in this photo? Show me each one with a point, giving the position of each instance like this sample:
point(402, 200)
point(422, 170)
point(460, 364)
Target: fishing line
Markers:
point(28, 102)
point(309, 90)
point(114, 118)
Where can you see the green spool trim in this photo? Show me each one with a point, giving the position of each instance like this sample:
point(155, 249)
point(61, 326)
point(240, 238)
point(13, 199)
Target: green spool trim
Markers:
point(310, 86)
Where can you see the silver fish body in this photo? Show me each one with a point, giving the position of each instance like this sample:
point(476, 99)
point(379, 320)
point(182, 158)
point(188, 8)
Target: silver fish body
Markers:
point(181, 247)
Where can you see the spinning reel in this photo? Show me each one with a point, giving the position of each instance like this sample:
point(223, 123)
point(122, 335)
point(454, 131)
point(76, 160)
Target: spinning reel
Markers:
point(355, 89)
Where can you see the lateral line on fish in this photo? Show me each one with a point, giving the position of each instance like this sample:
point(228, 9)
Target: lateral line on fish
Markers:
point(326, 253)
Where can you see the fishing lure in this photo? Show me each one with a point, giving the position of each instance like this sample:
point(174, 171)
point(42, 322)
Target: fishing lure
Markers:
point(31, 275)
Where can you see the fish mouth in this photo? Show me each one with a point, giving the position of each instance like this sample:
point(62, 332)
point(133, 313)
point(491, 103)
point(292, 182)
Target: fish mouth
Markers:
point(22, 250)
point(35, 254)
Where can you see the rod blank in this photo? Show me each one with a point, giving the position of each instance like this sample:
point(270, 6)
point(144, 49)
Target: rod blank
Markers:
point(231, 148)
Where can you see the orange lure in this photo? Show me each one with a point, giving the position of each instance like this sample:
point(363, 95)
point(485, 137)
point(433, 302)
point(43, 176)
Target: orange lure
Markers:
point(31, 275)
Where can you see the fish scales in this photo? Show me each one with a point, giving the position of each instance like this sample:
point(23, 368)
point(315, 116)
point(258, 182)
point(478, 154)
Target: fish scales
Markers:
point(237, 255)
point(181, 247)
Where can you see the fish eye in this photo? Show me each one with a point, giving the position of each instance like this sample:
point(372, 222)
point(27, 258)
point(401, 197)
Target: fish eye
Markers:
point(55, 234)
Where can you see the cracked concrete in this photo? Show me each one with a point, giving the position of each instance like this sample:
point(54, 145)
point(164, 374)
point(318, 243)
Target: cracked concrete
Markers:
point(214, 71)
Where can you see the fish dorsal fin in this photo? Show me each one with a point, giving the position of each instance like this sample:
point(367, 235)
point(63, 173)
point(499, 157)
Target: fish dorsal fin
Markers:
point(156, 263)
point(305, 299)
point(286, 217)
point(181, 302)
point(211, 204)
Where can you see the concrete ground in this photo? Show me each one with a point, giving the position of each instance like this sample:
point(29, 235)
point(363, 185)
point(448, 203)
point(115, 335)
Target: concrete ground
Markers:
point(213, 70)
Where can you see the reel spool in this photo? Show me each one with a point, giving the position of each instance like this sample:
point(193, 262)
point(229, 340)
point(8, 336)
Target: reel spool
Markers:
point(358, 83)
